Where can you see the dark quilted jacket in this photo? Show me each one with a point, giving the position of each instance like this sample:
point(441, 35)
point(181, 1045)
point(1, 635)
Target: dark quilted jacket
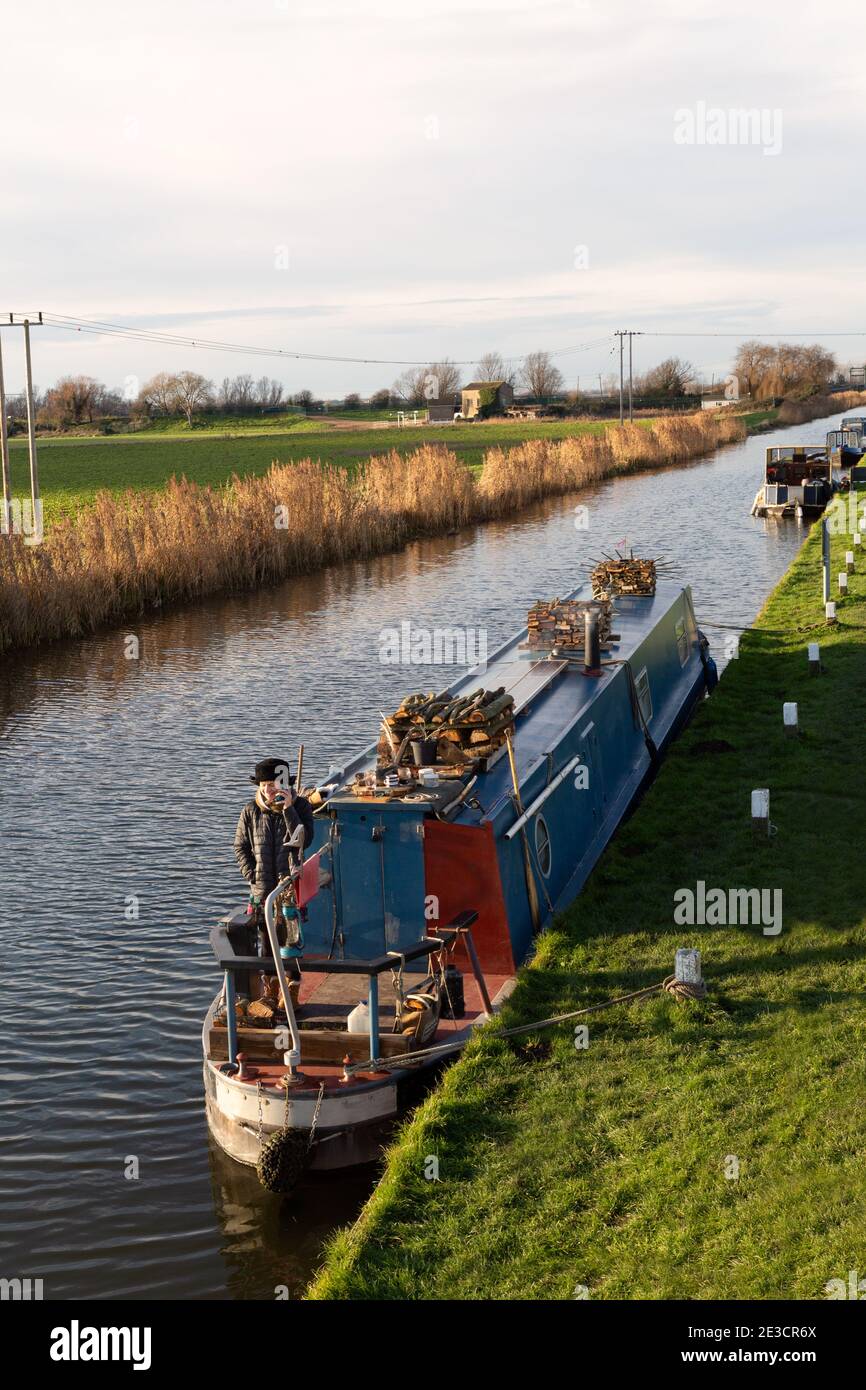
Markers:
point(262, 856)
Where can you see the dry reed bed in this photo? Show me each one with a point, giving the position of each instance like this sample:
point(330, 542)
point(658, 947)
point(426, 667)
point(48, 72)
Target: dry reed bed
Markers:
point(133, 551)
point(796, 412)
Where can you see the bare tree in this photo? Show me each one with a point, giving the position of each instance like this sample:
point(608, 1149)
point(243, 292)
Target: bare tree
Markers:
point(751, 366)
point(764, 370)
point(191, 392)
point(491, 367)
point(409, 386)
point(73, 401)
point(541, 378)
point(669, 378)
point(243, 393)
point(418, 385)
point(269, 393)
point(157, 396)
point(380, 400)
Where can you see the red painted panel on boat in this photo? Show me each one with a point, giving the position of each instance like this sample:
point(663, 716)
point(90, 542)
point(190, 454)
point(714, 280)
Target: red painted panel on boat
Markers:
point(462, 869)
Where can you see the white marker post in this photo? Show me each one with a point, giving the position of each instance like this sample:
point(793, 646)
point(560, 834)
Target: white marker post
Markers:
point(843, 584)
point(858, 540)
point(761, 813)
point(814, 659)
point(687, 966)
point(830, 612)
point(789, 719)
point(849, 561)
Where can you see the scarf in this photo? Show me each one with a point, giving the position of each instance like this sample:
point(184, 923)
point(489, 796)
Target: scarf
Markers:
point(279, 805)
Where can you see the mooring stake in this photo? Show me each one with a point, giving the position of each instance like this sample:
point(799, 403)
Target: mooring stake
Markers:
point(761, 813)
point(687, 966)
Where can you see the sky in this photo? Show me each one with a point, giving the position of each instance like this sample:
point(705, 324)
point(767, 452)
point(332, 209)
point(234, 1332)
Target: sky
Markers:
point(405, 180)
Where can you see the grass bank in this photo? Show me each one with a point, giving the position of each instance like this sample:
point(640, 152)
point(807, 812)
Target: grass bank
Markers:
point(612, 1168)
point(130, 552)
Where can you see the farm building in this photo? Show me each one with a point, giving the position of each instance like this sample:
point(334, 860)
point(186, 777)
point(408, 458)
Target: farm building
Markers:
point(444, 408)
point(491, 397)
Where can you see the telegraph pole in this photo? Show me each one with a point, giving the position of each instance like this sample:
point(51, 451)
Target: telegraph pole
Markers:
point(630, 412)
point(6, 519)
point(31, 431)
point(31, 426)
point(620, 334)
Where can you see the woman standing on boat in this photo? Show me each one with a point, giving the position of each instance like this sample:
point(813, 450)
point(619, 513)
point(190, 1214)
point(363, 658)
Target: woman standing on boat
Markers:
point(265, 827)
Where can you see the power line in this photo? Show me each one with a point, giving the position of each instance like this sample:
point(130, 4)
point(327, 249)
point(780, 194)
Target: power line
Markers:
point(744, 333)
point(95, 326)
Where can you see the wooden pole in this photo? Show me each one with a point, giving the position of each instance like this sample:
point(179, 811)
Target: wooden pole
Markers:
point(31, 430)
point(6, 520)
point(531, 890)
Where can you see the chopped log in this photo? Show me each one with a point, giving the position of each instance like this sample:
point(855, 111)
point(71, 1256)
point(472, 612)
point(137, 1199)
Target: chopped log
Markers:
point(498, 726)
point(488, 712)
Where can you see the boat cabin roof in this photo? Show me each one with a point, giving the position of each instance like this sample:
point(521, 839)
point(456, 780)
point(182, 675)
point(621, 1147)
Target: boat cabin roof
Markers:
point(552, 691)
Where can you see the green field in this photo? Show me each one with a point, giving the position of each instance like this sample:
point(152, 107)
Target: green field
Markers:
point(713, 1149)
point(73, 470)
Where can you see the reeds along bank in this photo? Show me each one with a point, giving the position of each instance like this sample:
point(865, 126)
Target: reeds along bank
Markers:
point(132, 550)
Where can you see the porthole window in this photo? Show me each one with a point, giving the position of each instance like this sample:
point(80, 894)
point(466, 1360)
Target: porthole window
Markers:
point(542, 845)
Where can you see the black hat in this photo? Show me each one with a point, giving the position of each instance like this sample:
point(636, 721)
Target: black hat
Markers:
point(273, 770)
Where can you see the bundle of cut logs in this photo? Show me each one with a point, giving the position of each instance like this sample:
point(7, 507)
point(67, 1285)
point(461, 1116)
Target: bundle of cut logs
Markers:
point(471, 726)
point(623, 574)
point(561, 623)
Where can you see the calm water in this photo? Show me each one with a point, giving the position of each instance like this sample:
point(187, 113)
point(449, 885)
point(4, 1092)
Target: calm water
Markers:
point(122, 780)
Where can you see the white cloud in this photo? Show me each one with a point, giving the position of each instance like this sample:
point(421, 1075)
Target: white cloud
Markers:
point(430, 168)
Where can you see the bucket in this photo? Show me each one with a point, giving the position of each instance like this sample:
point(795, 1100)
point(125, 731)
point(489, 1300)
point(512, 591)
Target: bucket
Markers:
point(424, 752)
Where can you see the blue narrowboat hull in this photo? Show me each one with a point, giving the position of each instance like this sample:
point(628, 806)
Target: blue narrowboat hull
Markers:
point(584, 747)
point(469, 871)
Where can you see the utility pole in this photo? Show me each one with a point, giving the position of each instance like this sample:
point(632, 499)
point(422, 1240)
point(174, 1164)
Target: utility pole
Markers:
point(35, 500)
point(31, 428)
point(620, 334)
point(630, 412)
point(6, 519)
point(600, 392)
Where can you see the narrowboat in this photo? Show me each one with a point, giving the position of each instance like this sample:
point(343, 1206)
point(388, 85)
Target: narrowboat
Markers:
point(797, 481)
point(800, 479)
point(436, 861)
point(844, 451)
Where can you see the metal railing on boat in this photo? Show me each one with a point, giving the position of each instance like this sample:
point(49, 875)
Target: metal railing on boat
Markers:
point(233, 964)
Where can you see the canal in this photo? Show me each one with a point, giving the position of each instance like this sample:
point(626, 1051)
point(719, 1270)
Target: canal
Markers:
point(121, 779)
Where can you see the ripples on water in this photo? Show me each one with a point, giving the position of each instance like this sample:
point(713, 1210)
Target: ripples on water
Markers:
point(124, 779)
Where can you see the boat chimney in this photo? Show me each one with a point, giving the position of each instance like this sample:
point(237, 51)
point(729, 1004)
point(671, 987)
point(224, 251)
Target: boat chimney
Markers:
point(591, 645)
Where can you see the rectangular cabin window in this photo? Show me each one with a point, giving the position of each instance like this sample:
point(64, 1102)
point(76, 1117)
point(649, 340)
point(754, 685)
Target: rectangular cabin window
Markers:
point(682, 641)
point(644, 698)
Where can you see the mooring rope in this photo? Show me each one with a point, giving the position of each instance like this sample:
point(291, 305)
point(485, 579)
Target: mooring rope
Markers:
point(680, 989)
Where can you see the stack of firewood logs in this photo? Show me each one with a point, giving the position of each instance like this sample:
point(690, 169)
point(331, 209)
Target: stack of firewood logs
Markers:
point(468, 727)
point(624, 574)
point(561, 623)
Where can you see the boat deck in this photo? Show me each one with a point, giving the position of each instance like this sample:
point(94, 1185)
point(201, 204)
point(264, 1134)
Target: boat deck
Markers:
point(325, 1002)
